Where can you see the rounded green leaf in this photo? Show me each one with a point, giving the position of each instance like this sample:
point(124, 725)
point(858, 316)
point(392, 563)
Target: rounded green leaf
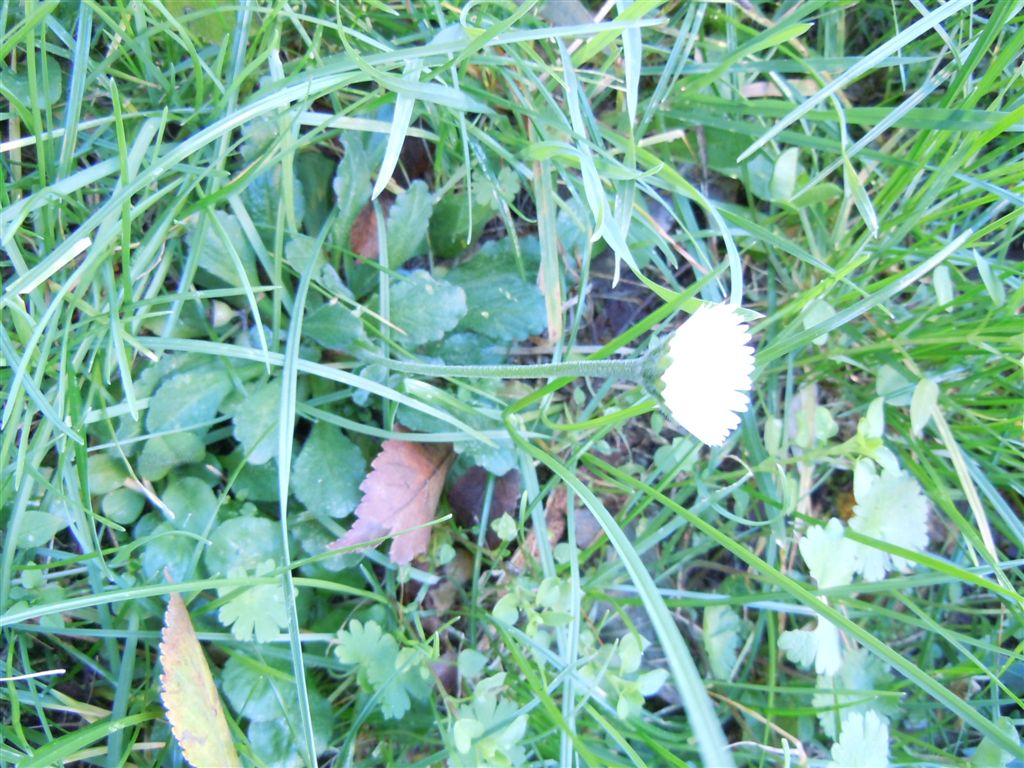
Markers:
point(242, 542)
point(328, 471)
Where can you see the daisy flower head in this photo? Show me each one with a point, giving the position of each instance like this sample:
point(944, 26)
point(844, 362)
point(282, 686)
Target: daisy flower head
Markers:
point(707, 380)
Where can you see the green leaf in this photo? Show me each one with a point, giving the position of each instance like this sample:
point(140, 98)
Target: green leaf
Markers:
point(831, 558)
point(122, 505)
point(425, 308)
point(187, 400)
point(467, 348)
point(49, 88)
point(892, 508)
point(210, 23)
point(408, 221)
point(255, 422)
point(784, 175)
point(397, 676)
point(242, 543)
point(854, 688)
point(993, 284)
point(170, 550)
point(334, 327)
point(315, 172)
point(351, 186)
point(328, 471)
point(278, 743)
point(926, 395)
point(193, 504)
point(258, 690)
point(216, 264)
point(450, 232)
point(260, 611)
point(991, 755)
point(722, 628)
point(38, 527)
point(863, 742)
point(163, 453)
point(818, 311)
point(264, 196)
point(106, 472)
point(500, 304)
point(505, 527)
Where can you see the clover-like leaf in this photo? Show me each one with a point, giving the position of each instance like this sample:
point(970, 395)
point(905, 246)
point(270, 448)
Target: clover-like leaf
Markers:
point(863, 742)
point(259, 611)
point(892, 508)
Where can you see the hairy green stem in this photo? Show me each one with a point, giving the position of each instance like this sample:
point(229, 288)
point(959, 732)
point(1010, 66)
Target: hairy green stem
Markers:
point(606, 369)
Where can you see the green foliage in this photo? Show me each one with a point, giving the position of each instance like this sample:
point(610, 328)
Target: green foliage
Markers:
point(395, 675)
point(425, 309)
point(838, 582)
point(258, 612)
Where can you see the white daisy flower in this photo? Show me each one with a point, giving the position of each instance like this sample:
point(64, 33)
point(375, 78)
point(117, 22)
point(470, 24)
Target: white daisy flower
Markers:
point(706, 382)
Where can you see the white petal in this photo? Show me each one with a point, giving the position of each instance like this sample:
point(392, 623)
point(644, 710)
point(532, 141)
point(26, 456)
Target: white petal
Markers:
point(708, 377)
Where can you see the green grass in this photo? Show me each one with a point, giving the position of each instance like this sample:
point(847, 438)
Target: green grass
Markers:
point(183, 271)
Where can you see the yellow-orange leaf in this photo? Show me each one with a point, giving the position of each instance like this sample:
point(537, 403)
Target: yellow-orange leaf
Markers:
point(400, 493)
point(190, 698)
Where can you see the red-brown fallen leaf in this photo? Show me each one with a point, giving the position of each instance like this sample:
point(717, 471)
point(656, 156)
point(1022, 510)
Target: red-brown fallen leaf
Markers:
point(400, 493)
point(190, 698)
point(363, 237)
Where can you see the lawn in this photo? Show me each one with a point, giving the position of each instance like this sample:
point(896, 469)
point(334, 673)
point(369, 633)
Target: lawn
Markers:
point(415, 383)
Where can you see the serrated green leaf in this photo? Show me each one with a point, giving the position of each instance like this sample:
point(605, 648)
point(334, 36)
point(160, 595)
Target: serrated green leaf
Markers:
point(425, 308)
point(163, 453)
point(334, 327)
point(895, 510)
point(242, 543)
point(830, 557)
point(187, 400)
point(854, 688)
point(256, 422)
point(328, 471)
point(408, 222)
point(259, 612)
point(500, 304)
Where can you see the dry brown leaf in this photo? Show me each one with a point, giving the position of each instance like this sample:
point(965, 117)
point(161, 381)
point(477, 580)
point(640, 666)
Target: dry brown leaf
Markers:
point(363, 237)
point(400, 493)
point(190, 698)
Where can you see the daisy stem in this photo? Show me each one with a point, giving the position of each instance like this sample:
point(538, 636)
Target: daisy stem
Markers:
point(605, 369)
